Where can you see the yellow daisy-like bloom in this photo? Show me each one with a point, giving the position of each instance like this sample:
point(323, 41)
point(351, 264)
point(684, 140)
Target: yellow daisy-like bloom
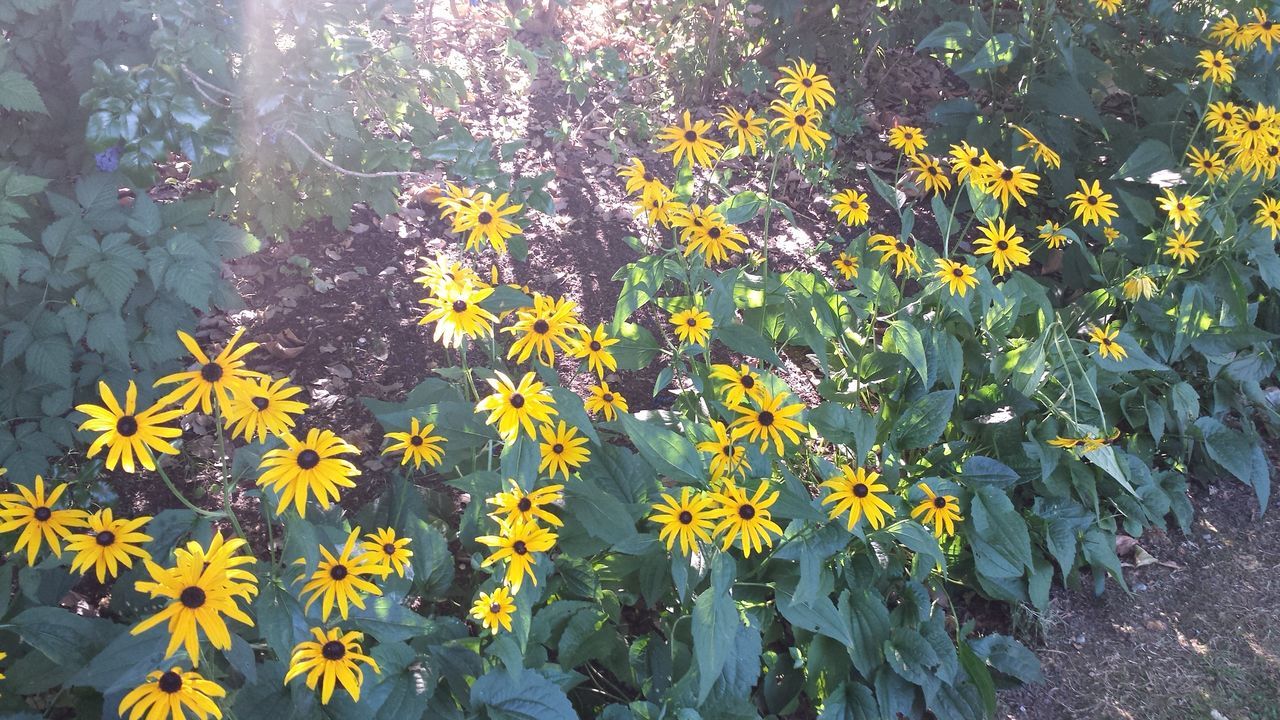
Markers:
point(1255, 129)
point(660, 209)
point(201, 587)
point(486, 221)
point(1230, 33)
point(494, 610)
point(1138, 285)
point(851, 207)
point(1004, 244)
point(689, 142)
point(910, 140)
point(1108, 7)
point(799, 124)
point(967, 162)
point(391, 552)
point(1220, 116)
point(33, 513)
point(715, 241)
point(1110, 234)
point(641, 181)
point(1091, 205)
point(518, 543)
point(846, 265)
point(605, 401)
point(562, 450)
point(747, 129)
point(740, 383)
point(802, 83)
point(1262, 30)
point(437, 275)
point(890, 247)
point(593, 346)
point(769, 421)
point(955, 276)
point(126, 432)
point(1216, 67)
point(743, 518)
point(1107, 345)
point(693, 218)
point(1268, 215)
point(544, 328)
point(1207, 163)
point(930, 175)
point(110, 543)
point(1181, 210)
point(517, 506)
point(693, 326)
point(341, 579)
point(728, 458)
point(455, 199)
point(309, 466)
point(942, 511)
point(1051, 233)
point(332, 658)
point(170, 695)
point(1182, 248)
point(418, 445)
point(1066, 443)
point(222, 375)
point(1259, 162)
point(263, 406)
point(514, 406)
point(1003, 182)
point(854, 492)
point(1040, 151)
point(456, 311)
point(688, 519)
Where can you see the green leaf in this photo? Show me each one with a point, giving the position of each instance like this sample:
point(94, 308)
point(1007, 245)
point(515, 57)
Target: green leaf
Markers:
point(432, 562)
point(569, 408)
point(523, 695)
point(742, 207)
point(748, 341)
point(978, 469)
point(979, 675)
point(850, 701)
point(869, 623)
point(920, 541)
point(62, 636)
point(997, 51)
point(669, 453)
point(1001, 544)
point(715, 625)
point(904, 339)
point(1237, 455)
point(911, 656)
point(839, 424)
point(947, 35)
point(1149, 158)
point(1100, 551)
point(19, 94)
point(922, 422)
point(605, 518)
point(1008, 656)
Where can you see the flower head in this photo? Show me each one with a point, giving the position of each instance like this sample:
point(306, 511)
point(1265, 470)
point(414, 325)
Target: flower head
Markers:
point(389, 551)
point(1216, 67)
point(418, 445)
point(32, 511)
point(846, 265)
point(518, 543)
point(855, 492)
point(593, 346)
point(798, 124)
point(1107, 345)
point(456, 311)
point(739, 383)
point(955, 276)
point(942, 511)
point(514, 406)
point(487, 221)
point(128, 433)
point(562, 449)
point(516, 505)
point(1182, 210)
point(1268, 215)
point(892, 248)
point(769, 420)
point(1092, 206)
point(688, 519)
point(804, 85)
point(494, 610)
point(851, 207)
point(605, 401)
point(330, 659)
point(1004, 244)
point(263, 406)
point(110, 543)
point(930, 175)
point(910, 140)
point(306, 467)
point(689, 141)
point(728, 458)
point(1040, 151)
point(172, 694)
point(745, 518)
point(221, 375)
point(1002, 182)
point(341, 579)
point(1182, 248)
point(747, 129)
point(693, 326)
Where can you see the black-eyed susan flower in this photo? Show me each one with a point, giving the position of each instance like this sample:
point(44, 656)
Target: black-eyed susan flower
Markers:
point(907, 139)
point(494, 610)
point(1230, 33)
point(660, 209)
point(892, 248)
point(519, 544)
point(693, 326)
point(715, 241)
point(1138, 285)
point(694, 218)
point(1216, 67)
point(593, 346)
point(1066, 443)
point(930, 175)
point(1182, 248)
point(219, 376)
point(941, 511)
point(1220, 116)
point(1039, 151)
point(967, 162)
point(690, 141)
point(1259, 162)
point(605, 402)
point(641, 181)
point(487, 221)
point(798, 124)
point(562, 449)
point(1268, 215)
point(389, 551)
point(851, 207)
point(544, 328)
point(308, 467)
point(1108, 7)
point(172, 694)
point(1207, 163)
point(802, 83)
point(200, 589)
point(1003, 243)
point(854, 493)
point(1091, 205)
point(418, 445)
point(687, 520)
point(1003, 182)
point(263, 406)
point(1052, 235)
point(745, 518)
point(739, 383)
point(515, 505)
point(109, 543)
point(454, 199)
point(330, 659)
point(456, 311)
point(341, 579)
point(746, 129)
point(1107, 345)
point(1252, 129)
point(31, 511)
point(128, 433)
point(513, 406)
point(1182, 210)
point(1263, 30)
point(846, 265)
point(769, 420)
point(728, 458)
point(441, 272)
point(956, 277)
point(1110, 233)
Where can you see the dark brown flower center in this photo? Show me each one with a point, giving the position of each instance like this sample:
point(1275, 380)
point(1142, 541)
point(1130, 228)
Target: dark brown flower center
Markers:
point(713, 232)
point(743, 124)
point(1007, 175)
point(308, 459)
point(339, 572)
point(170, 682)
point(261, 402)
point(1181, 207)
point(540, 326)
point(958, 272)
point(931, 170)
point(690, 136)
point(975, 161)
point(1092, 200)
point(685, 517)
point(900, 247)
point(333, 650)
point(519, 548)
point(1255, 125)
point(595, 346)
point(691, 322)
point(517, 400)
point(389, 548)
point(127, 426)
point(765, 418)
point(495, 608)
point(801, 120)
point(192, 597)
point(484, 218)
point(42, 514)
point(748, 382)
point(524, 504)
point(211, 372)
point(459, 306)
point(860, 490)
point(1002, 245)
point(416, 440)
point(746, 511)
point(727, 450)
point(939, 502)
point(806, 82)
point(607, 397)
point(557, 448)
point(106, 538)
point(648, 177)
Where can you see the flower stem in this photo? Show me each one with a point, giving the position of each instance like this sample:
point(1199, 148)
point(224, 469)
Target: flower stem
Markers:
point(183, 498)
point(768, 215)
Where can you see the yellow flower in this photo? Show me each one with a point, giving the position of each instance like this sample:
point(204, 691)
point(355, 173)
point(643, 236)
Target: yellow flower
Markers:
point(221, 375)
point(1263, 30)
point(308, 466)
point(689, 141)
point(967, 162)
point(418, 445)
point(660, 209)
point(1040, 151)
point(769, 421)
point(1051, 233)
point(1108, 7)
point(1221, 116)
point(455, 199)
point(171, 694)
point(457, 313)
point(1208, 163)
point(545, 327)
point(1181, 209)
point(1004, 245)
point(746, 519)
point(514, 406)
point(494, 610)
point(1137, 285)
point(1107, 345)
point(888, 246)
point(940, 510)
point(1110, 234)
point(851, 207)
point(605, 401)
point(1003, 182)
point(1216, 66)
point(110, 543)
point(518, 506)
point(910, 140)
point(799, 123)
point(1268, 215)
point(332, 658)
point(33, 512)
point(746, 128)
point(1065, 443)
point(846, 265)
point(518, 543)
point(854, 492)
point(740, 383)
point(562, 450)
point(728, 459)
point(486, 221)
point(263, 406)
point(127, 432)
point(955, 276)
point(391, 552)
point(1230, 33)
point(802, 82)
point(438, 274)
point(688, 519)
point(594, 348)
point(707, 234)
point(341, 578)
point(1092, 206)
point(640, 180)
point(693, 326)
point(1182, 248)
point(930, 175)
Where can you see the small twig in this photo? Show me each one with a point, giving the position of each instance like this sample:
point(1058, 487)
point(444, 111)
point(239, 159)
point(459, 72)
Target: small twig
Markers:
point(354, 173)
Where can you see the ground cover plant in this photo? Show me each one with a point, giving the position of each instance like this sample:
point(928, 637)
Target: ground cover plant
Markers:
point(754, 488)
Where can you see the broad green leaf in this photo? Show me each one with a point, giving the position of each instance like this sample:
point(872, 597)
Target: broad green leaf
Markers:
point(903, 338)
point(669, 453)
point(715, 626)
point(921, 423)
point(1001, 545)
point(19, 94)
point(523, 695)
point(850, 701)
point(869, 623)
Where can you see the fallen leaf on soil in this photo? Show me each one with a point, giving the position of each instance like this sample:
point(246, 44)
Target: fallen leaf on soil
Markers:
point(1125, 545)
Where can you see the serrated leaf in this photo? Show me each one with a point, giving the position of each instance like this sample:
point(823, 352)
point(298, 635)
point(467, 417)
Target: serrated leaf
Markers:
point(19, 94)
